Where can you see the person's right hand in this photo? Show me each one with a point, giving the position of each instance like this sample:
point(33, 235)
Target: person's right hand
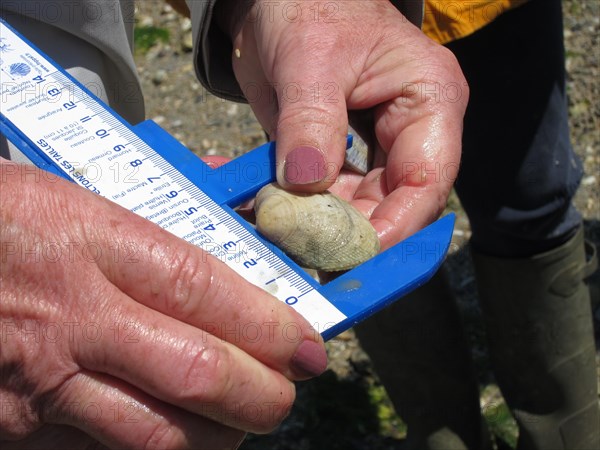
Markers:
point(317, 65)
point(113, 330)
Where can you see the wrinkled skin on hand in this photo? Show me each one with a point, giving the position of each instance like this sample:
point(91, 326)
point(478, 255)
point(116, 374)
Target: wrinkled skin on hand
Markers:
point(319, 63)
point(116, 333)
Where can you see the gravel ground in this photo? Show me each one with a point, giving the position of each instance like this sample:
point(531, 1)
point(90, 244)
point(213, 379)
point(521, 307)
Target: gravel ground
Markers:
point(347, 408)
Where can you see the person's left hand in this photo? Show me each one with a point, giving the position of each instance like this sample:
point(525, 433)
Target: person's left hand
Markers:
point(304, 66)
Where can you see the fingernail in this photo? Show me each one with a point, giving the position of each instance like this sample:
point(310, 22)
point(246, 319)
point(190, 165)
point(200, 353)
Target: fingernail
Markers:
point(310, 359)
point(304, 165)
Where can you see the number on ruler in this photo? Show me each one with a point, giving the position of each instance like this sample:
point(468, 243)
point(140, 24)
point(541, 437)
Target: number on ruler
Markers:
point(291, 300)
point(228, 245)
point(102, 133)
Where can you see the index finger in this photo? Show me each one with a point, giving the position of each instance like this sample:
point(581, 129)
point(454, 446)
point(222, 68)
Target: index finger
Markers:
point(198, 289)
point(171, 276)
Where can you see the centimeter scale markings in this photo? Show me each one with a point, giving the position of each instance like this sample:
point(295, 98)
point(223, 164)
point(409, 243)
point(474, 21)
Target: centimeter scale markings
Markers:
point(100, 152)
point(64, 129)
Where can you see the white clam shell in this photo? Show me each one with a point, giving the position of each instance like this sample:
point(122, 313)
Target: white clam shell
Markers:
point(319, 231)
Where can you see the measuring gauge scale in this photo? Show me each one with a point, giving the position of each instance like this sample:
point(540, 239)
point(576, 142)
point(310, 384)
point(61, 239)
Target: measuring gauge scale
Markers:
point(64, 129)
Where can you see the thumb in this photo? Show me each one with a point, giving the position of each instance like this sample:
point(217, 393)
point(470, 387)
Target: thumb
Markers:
point(312, 123)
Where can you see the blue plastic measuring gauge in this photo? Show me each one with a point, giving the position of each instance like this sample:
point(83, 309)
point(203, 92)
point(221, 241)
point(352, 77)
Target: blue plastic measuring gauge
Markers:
point(64, 129)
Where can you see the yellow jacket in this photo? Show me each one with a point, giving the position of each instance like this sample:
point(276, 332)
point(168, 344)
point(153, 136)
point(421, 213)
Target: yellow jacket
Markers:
point(448, 20)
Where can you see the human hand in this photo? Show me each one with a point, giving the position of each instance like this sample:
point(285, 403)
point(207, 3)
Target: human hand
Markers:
point(304, 67)
point(114, 330)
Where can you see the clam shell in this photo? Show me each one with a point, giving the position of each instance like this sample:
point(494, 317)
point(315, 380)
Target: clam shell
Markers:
point(319, 231)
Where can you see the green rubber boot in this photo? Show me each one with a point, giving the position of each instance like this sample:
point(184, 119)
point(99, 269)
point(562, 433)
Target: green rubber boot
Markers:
point(540, 331)
point(420, 354)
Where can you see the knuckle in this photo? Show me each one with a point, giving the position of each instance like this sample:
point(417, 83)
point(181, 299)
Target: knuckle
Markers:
point(316, 113)
point(161, 436)
point(190, 277)
point(318, 120)
point(448, 68)
point(208, 375)
point(438, 66)
point(452, 72)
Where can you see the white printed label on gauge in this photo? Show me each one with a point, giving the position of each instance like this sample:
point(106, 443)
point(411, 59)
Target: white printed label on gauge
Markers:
point(102, 154)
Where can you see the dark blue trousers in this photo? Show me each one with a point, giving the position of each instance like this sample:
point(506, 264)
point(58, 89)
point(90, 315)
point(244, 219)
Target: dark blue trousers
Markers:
point(519, 172)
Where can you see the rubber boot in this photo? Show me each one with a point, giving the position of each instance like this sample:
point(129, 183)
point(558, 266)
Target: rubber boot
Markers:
point(420, 354)
point(540, 331)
